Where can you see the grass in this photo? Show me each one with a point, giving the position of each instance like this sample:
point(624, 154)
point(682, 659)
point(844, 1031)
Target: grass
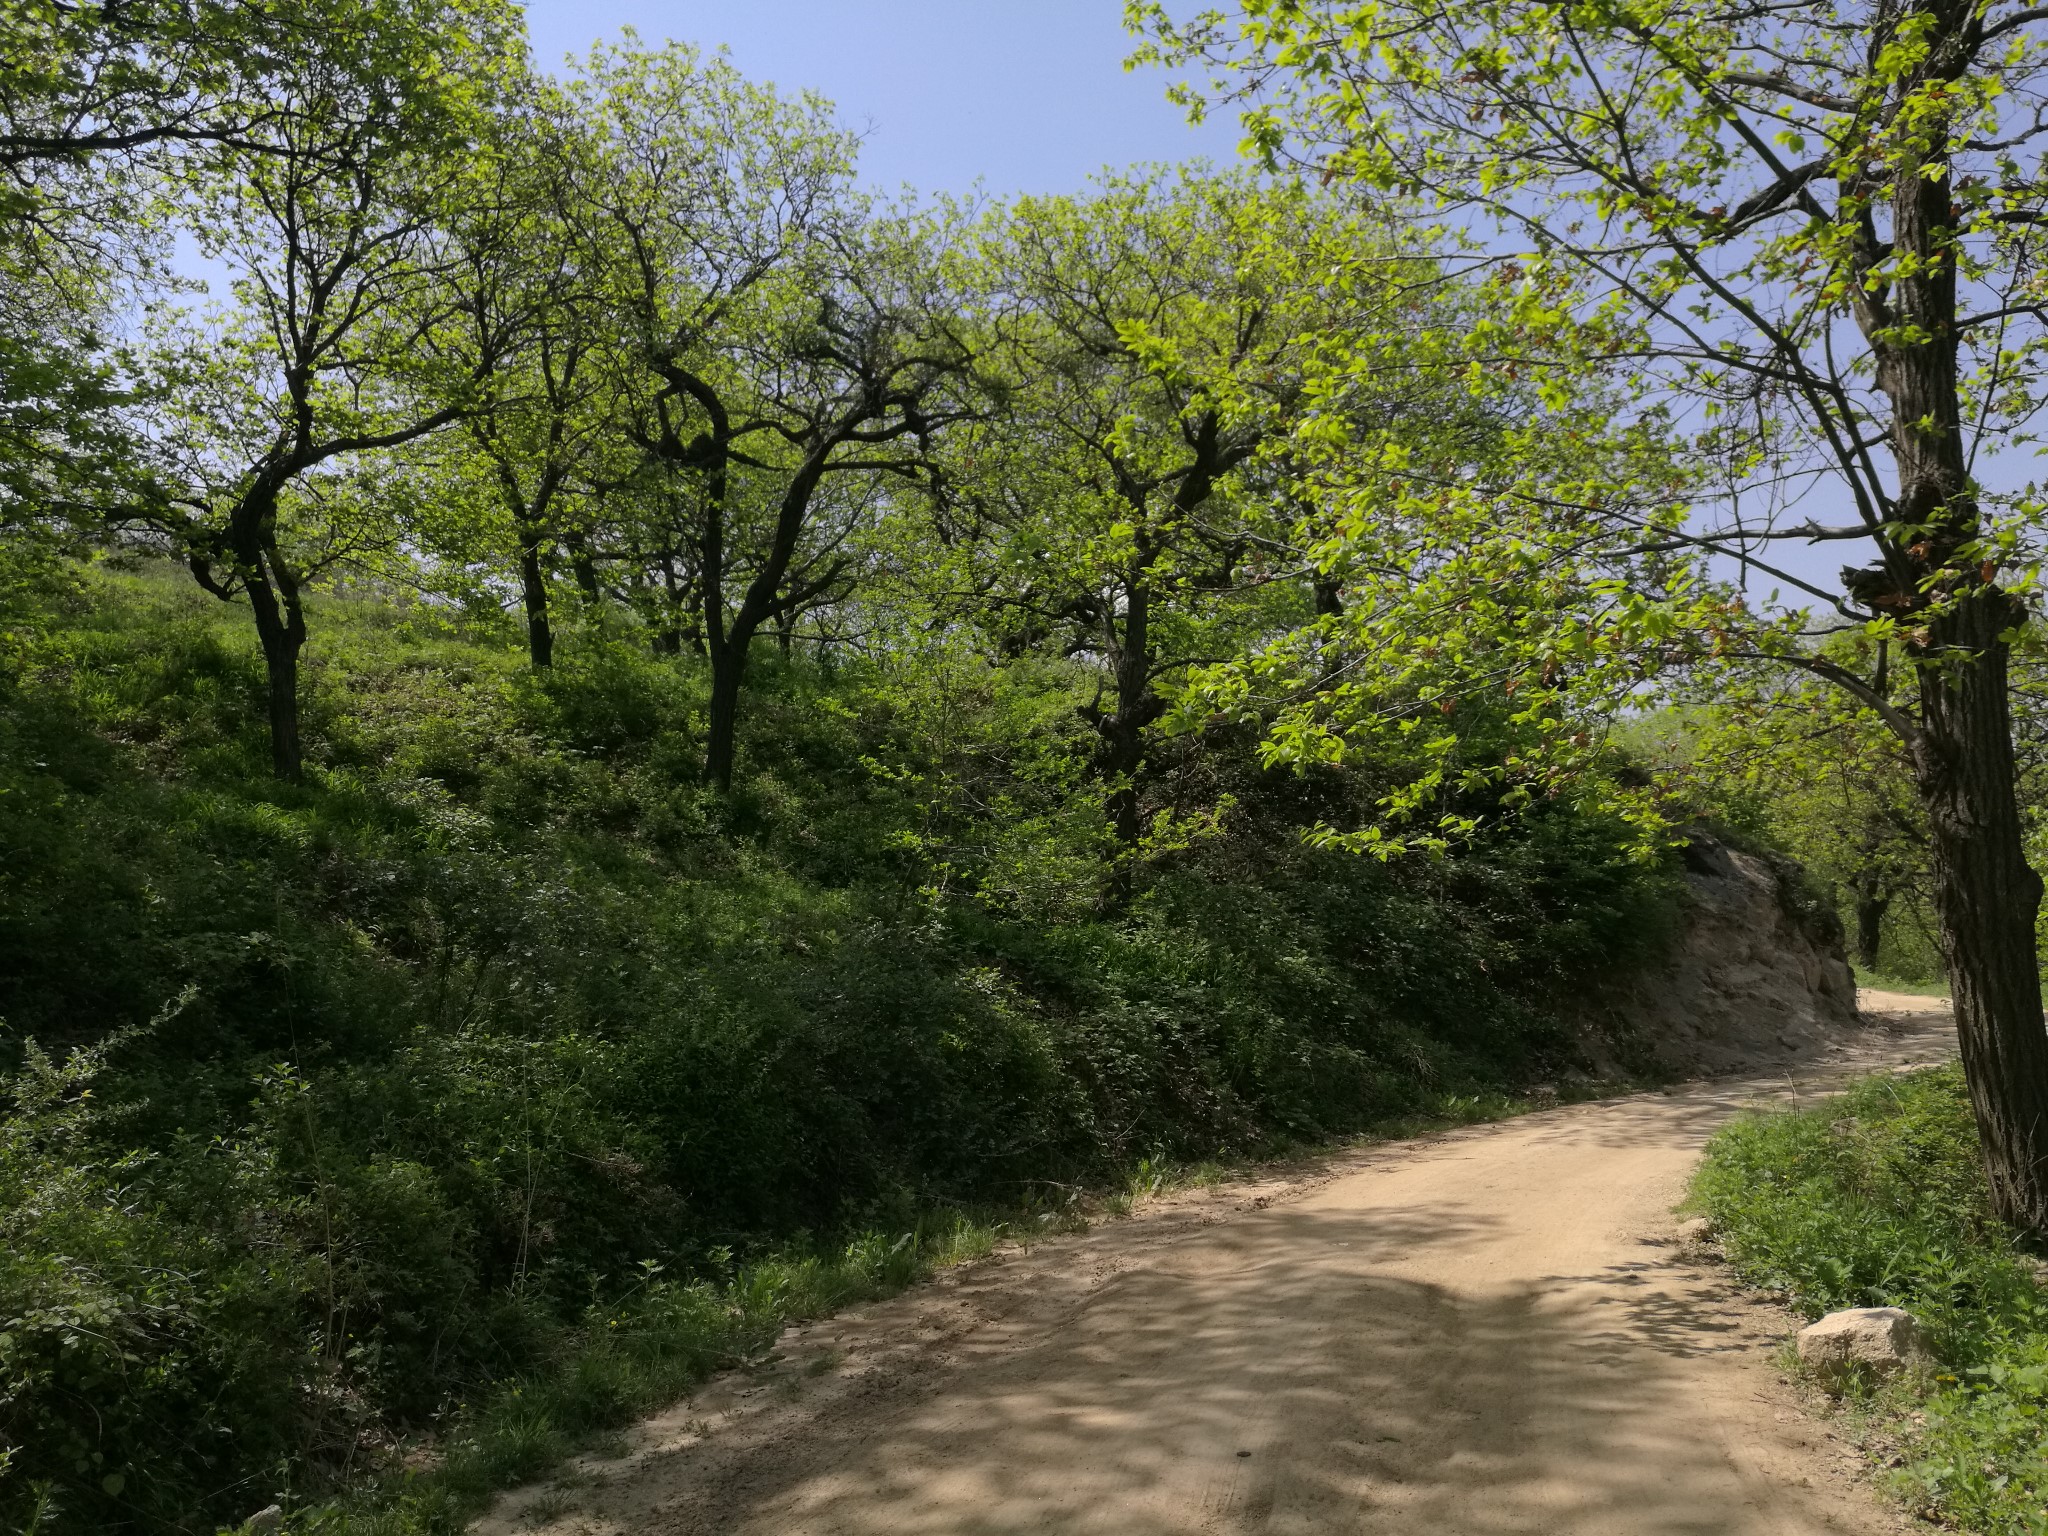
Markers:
point(630, 1358)
point(1877, 1199)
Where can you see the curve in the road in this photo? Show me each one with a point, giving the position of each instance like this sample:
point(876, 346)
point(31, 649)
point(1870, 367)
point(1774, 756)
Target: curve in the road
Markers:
point(1488, 1333)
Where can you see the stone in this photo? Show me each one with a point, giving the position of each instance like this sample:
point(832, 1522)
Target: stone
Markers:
point(1882, 1341)
point(265, 1520)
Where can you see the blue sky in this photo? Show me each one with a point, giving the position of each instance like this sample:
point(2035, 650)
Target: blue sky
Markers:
point(1023, 95)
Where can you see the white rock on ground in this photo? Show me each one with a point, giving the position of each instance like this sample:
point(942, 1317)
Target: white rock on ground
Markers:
point(1883, 1340)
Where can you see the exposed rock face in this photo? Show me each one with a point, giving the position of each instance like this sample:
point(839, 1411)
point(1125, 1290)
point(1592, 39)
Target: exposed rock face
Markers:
point(1881, 1340)
point(1757, 974)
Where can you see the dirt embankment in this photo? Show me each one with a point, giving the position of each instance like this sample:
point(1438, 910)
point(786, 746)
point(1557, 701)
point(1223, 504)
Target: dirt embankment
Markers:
point(1757, 977)
point(1488, 1332)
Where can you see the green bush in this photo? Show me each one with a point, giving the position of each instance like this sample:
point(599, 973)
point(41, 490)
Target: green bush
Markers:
point(500, 1013)
point(1878, 1199)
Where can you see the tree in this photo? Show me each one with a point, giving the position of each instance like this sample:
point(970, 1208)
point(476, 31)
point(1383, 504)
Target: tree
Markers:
point(529, 315)
point(99, 102)
point(1813, 229)
point(787, 335)
point(338, 236)
point(121, 76)
point(1151, 344)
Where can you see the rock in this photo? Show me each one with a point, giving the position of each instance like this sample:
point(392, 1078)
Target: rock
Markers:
point(1756, 974)
point(1881, 1340)
point(265, 1520)
point(1696, 1231)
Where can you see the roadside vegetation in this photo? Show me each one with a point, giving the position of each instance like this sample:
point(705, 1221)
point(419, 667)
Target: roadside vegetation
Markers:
point(499, 1079)
point(608, 738)
point(1878, 1199)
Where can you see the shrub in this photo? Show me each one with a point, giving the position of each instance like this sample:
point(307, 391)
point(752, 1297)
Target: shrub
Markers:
point(519, 1079)
point(1878, 1199)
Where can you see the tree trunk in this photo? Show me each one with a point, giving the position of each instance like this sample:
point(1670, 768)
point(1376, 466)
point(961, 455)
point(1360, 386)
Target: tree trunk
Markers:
point(1120, 758)
point(281, 665)
point(1984, 892)
point(1872, 902)
point(1988, 899)
point(530, 522)
point(540, 633)
point(582, 566)
point(281, 627)
point(668, 639)
point(728, 672)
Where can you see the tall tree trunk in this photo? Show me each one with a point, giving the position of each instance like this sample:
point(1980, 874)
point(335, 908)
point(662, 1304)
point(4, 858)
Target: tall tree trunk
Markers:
point(1872, 902)
point(1988, 899)
point(728, 673)
point(281, 627)
point(533, 584)
point(1986, 895)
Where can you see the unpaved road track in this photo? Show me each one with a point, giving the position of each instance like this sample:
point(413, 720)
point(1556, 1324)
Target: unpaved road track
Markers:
point(1482, 1333)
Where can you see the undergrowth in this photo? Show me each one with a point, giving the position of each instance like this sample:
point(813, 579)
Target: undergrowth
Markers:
point(1877, 1198)
point(344, 1118)
point(662, 1337)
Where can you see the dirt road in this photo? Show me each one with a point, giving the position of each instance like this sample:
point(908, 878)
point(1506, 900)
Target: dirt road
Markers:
point(1488, 1332)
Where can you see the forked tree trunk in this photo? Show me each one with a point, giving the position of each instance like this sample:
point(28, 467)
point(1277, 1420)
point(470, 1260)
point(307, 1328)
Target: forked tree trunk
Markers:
point(1988, 898)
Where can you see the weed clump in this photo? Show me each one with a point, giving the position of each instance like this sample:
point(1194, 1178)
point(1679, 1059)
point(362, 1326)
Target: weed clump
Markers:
point(1877, 1198)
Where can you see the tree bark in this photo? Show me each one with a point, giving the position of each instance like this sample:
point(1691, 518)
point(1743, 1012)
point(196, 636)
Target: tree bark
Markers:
point(1123, 733)
point(533, 584)
point(530, 523)
point(728, 674)
point(282, 643)
point(1988, 899)
point(1985, 894)
point(583, 566)
point(729, 642)
point(1872, 902)
point(280, 614)
point(668, 638)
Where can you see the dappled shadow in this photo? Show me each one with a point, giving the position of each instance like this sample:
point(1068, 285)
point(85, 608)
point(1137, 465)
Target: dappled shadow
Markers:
point(1490, 1333)
point(1365, 1403)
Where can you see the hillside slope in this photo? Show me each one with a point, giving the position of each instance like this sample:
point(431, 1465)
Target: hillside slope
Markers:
point(333, 1104)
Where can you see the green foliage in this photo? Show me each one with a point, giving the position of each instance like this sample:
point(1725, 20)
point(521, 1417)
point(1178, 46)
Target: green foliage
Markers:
point(1878, 1199)
point(500, 1014)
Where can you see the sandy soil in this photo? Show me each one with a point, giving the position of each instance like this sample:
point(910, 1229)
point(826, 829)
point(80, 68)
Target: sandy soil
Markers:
point(1487, 1332)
